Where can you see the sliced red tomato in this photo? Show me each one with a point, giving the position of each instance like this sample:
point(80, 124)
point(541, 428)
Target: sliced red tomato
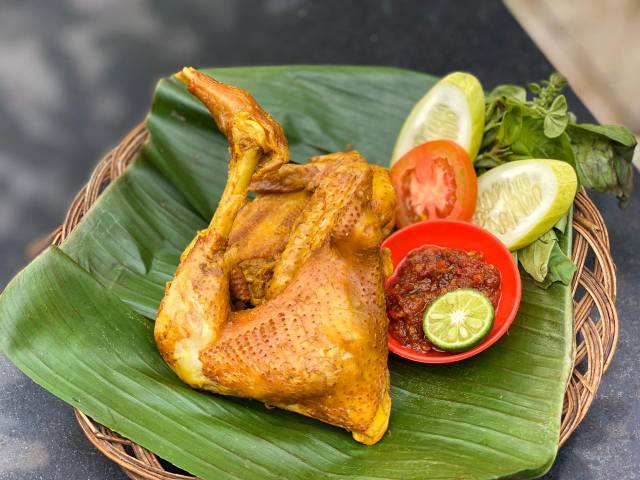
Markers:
point(432, 181)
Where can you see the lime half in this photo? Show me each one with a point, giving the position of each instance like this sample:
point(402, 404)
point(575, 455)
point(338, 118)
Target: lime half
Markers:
point(458, 320)
point(452, 110)
point(521, 200)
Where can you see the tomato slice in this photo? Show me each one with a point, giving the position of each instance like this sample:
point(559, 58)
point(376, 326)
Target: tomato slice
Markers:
point(432, 181)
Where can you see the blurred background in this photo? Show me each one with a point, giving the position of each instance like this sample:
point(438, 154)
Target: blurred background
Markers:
point(592, 43)
point(76, 75)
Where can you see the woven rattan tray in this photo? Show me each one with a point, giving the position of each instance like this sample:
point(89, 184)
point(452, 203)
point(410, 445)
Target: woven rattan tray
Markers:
point(595, 320)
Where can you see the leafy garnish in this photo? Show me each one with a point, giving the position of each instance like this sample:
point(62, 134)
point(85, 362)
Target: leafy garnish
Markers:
point(542, 127)
point(606, 155)
point(545, 261)
point(532, 142)
point(518, 128)
point(561, 268)
point(534, 258)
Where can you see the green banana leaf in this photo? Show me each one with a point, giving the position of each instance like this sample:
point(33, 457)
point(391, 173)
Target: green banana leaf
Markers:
point(79, 319)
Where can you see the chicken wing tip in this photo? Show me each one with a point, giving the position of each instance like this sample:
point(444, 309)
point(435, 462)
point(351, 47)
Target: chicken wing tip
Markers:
point(185, 75)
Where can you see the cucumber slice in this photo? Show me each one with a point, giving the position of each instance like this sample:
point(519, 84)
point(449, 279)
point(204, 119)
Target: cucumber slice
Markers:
point(521, 200)
point(458, 320)
point(453, 109)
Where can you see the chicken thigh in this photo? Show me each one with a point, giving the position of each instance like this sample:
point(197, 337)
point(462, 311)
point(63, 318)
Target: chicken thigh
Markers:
point(281, 298)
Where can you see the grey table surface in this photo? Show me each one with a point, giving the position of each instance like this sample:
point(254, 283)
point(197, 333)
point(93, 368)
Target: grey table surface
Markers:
point(76, 75)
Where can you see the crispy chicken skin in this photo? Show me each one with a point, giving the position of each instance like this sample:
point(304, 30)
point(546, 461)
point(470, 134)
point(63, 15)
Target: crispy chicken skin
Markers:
point(305, 255)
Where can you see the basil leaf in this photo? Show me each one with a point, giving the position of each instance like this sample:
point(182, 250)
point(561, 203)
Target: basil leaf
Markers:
point(557, 118)
point(509, 91)
point(617, 133)
point(559, 105)
point(545, 261)
point(560, 268)
point(533, 143)
point(490, 111)
point(534, 258)
point(561, 225)
point(555, 125)
point(602, 164)
point(487, 162)
point(511, 125)
point(623, 161)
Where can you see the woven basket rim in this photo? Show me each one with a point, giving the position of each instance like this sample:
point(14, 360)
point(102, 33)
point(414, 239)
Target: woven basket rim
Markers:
point(594, 290)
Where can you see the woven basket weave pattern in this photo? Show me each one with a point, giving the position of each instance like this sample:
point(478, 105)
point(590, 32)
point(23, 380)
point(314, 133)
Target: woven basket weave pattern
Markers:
point(595, 318)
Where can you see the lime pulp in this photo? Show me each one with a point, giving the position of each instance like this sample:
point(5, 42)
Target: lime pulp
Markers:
point(458, 320)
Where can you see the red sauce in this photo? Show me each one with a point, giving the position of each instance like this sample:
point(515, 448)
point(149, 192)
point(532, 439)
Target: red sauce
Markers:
point(424, 275)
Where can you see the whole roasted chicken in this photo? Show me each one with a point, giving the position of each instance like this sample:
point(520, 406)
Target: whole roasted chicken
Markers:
point(280, 298)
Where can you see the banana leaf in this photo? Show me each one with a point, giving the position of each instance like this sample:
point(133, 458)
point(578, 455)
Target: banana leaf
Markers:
point(79, 320)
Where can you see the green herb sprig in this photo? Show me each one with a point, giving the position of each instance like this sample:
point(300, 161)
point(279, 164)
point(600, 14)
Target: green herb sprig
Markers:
point(518, 127)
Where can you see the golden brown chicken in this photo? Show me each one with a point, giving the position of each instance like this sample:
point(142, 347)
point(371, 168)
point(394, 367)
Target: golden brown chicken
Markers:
point(281, 298)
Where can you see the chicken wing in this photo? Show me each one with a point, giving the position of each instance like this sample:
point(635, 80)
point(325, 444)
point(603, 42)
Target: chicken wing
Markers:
point(305, 258)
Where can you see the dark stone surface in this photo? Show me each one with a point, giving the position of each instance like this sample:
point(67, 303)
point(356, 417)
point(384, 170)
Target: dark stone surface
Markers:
point(76, 75)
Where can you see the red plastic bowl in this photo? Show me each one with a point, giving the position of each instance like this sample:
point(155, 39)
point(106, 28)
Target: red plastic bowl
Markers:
point(466, 236)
